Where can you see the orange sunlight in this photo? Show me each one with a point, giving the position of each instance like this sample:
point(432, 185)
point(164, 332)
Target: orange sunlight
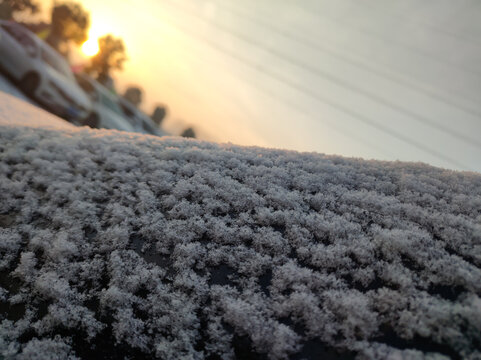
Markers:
point(98, 29)
point(90, 47)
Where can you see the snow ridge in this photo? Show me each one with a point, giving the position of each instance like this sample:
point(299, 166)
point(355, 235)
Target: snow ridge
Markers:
point(116, 245)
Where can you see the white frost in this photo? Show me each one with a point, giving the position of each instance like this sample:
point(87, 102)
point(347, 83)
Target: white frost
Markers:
point(171, 248)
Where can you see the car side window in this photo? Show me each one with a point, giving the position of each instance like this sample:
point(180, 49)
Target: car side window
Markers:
point(86, 86)
point(22, 37)
point(109, 103)
point(55, 62)
point(126, 110)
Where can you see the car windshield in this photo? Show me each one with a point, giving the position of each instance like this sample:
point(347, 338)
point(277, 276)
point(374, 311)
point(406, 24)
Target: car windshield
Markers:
point(55, 61)
point(85, 85)
point(126, 109)
point(22, 36)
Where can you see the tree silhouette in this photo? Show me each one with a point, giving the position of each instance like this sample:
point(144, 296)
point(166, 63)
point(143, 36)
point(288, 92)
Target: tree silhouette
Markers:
point(9, 7)
point(188, 133)
point(159, 114)
point(70, 22)
point(133, 94)
point(111, 56)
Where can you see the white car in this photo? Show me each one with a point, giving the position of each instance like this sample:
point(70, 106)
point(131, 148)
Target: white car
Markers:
point(106, 112)
point(141, 122)
point(41, 72)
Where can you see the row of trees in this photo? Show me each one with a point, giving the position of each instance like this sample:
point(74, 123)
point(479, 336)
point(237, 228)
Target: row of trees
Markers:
point(70, 24)
point(8, 8)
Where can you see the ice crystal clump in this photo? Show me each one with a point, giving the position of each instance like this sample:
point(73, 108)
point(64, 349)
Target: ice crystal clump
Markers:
point(115, 245)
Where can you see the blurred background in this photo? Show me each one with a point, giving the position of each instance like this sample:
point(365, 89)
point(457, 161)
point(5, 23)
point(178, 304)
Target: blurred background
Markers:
point(387, 80)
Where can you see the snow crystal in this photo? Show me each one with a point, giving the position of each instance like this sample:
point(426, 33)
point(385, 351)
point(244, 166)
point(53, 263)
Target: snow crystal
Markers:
point(128, 246)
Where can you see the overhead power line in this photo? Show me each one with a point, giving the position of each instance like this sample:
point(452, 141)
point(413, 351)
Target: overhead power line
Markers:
point(285, 101)
point(364, 119)
point(374, 70)
point(340, 82)
point(422, 24)
point(390, 41)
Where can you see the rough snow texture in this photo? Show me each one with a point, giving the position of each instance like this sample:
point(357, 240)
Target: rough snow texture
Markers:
point(115, 245)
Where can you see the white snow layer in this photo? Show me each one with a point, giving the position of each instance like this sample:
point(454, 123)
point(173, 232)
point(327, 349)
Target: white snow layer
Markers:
point(17, 112)
point(116, 245)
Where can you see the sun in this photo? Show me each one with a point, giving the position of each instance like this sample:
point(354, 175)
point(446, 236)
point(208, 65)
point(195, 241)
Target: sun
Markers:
point(90, 47)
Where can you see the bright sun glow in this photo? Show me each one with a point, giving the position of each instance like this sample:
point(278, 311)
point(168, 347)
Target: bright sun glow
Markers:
point(90, 47)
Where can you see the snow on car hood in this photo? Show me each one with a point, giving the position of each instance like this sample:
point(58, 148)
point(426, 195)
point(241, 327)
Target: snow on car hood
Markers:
point(121, 245)
point(16, 112)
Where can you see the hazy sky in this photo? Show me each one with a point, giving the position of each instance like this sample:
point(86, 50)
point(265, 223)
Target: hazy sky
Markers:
point(372, 78)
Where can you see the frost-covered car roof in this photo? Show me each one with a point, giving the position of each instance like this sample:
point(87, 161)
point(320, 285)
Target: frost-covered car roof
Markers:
point(117, 245)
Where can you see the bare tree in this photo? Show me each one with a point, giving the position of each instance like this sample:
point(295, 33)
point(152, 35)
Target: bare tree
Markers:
point(8, 8)
point(133, 94)
point(111, 56)
point(188, 133)
point(159, 114)
point(70, 22)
